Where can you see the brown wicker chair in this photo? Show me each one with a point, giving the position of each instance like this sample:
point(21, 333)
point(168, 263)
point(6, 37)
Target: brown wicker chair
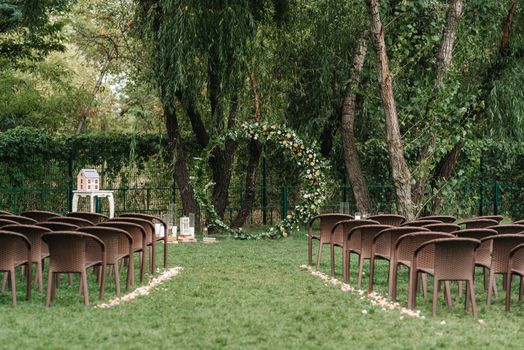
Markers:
point(58, 226)
point(150, 236)
point(19, 219)
point(327, 221)
point(447, 259)
point(15, 250)
point(94, 218)
point(74, 252)
point(448, 228)
point(339, 238)
point(478, 223)
point(388, 219)
point(119, 245)
point(362, 236)
point(447, 219)
point(74, 221)
point(139, 240)
point(383, 245)
point(497, 218)
point(5, 222)
point(3, 212)
point(403, 255)
point(483, 253)
point(153, 219)
point(519, 222)
point(501, 248)
point(421, 223)
point(515, 267)
point(508, 229)
point(39, 215)
point(39, 250)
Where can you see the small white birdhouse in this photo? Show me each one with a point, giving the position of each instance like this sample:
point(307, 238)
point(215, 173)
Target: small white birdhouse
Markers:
point(88, 180)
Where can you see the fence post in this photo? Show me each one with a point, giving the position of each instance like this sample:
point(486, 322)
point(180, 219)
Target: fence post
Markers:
point(70, 184)
point(284, 202)
point(496, 199)
point(14, 201)
point(264, 190)
point(481, 204)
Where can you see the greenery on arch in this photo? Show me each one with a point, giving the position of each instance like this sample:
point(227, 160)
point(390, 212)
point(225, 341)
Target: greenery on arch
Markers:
point(312, 170)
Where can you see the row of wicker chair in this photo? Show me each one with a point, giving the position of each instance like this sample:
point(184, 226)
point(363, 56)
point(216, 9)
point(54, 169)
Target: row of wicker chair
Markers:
point(430, 245)
point(74, 243)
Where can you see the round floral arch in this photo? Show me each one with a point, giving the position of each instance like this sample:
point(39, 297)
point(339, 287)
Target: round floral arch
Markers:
point(312, 172)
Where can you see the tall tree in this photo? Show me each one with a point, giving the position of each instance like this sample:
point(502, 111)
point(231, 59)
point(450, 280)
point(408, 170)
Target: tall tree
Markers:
point(400, 173)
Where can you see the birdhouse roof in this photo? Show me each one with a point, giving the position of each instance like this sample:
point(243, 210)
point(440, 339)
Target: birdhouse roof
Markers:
point(89, 173)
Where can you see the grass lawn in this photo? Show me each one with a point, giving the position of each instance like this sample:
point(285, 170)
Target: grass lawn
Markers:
point(250, 294)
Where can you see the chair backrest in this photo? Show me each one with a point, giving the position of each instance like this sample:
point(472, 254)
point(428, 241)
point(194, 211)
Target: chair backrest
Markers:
point(478, 223)
point(152, 218)
point(13, 247)
point(39, 215)
point(20, 219)
point(443, 227)
point(497, 218)
point(94, 218)
point(516, 256)
point(69, 250)
point(136, 231)
point(58, 226)
point(363, 237)
point(3, 212)
point(386, 240)
point(75, 221)
point(508, 229)
point(326, 223)
point(448, 219)
point(408, 243)
point(388, 219)
point(339, 235)
point(34, 235)
point(421, 223)
point(501, 247)
point(483, 253)
point(519, 222)
point(147, 225)
point(117, 241)
point(451, 258)
point(5, 222)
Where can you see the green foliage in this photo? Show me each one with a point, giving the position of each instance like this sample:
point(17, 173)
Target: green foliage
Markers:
point(29, 30)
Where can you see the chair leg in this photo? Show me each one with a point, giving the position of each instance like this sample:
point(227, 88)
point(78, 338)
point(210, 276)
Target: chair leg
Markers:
point(371, 273)
point(103, 282)
point(142, 258)
point(491, 284)
point(393, 281)
point(346, 257)
point(39, 276)
point(12, 279)
point(49, 287)
point(425, 285)
point(508, 289)
point(331, 257)
point(130, 273)
point(117, 279)
point(152, 253)
point(83, 277)
point(460, 289)
point(319, 255)
point(468, 297)
point(5, 280)
point(471, 289)
point(29, 279)
point(521, 290)
point(435, 296)
point(412, 288)
point(360, 270)
point(447, 293)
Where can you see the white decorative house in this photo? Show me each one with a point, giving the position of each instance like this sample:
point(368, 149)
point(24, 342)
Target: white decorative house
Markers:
point(88, 180)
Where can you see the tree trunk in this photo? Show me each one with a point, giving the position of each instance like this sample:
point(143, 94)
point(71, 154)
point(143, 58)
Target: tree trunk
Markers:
point(255, 151)
point(181, 174)
point(399, 169)
point(444, 57)
point(351, 157)
point(444, 171)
